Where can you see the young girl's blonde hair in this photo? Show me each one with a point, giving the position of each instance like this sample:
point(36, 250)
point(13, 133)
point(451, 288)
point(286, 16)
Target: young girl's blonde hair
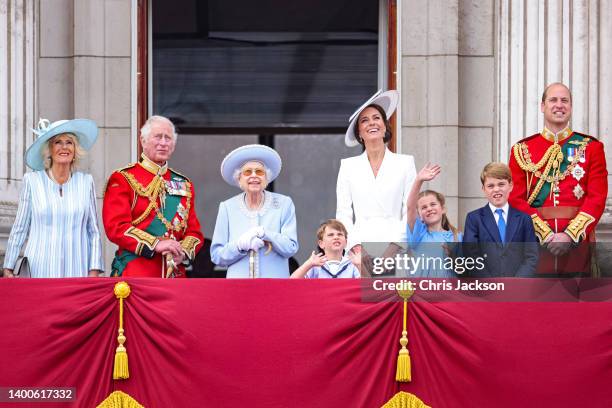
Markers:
point(446, 224)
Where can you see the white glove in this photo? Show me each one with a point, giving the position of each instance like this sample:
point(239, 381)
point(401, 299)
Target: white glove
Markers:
point(257, 243)
point(244, 242)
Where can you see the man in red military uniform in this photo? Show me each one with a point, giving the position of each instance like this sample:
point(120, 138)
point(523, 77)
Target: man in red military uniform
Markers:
point(149, 210)
point(560, 179)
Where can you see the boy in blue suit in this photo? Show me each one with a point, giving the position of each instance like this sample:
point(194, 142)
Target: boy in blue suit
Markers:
point(502, 233)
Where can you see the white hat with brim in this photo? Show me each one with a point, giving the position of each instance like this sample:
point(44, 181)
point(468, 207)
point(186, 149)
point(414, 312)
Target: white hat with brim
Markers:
point(387, 100)
point(244, 154)
point(85, 130)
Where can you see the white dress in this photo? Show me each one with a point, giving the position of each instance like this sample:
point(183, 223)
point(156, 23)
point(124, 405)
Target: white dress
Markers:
point(373, 209)
point(62, 230)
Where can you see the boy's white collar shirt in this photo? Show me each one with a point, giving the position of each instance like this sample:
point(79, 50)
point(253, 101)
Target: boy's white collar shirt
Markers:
point(505, 209)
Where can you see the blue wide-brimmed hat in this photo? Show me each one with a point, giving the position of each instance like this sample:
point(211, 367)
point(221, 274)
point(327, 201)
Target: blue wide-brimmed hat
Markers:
point(254, 152)
point(85, 130)
point(386, 100)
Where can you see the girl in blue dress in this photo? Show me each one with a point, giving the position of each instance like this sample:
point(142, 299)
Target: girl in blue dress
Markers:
point(430, 234)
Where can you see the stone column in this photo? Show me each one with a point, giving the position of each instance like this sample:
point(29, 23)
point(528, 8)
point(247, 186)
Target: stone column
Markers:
point(80, 69)
point(476, 99)
point(448, 94)
point(17, 102)
point(429, 90)
point(102, 87)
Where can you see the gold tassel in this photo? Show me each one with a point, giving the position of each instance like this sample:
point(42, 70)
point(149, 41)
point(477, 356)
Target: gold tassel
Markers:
point(120, 370)
point(119, 399)
point(403, 371)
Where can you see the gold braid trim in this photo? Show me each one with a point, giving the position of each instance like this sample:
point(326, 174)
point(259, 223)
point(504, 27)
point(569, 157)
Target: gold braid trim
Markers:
point(142, 237)
point(552, 159)
point(155, 189)
point(152, 191)
point(542, 229)
point(189, 243)
point(405, 400)
point(523, 157)
point(577, 227)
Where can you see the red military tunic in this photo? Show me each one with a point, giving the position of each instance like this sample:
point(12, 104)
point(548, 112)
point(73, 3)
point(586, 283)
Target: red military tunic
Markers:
point(143, 204)
point(563, 187)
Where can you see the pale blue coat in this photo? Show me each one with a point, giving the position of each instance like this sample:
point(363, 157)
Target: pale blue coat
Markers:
point(62, 230)
point(276, 216)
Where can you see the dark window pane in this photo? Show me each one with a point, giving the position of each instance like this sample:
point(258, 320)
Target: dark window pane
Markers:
point(264, 64)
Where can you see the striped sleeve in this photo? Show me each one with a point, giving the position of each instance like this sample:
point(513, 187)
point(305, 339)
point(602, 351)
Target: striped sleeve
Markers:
point(21, 227)
point(93, 232)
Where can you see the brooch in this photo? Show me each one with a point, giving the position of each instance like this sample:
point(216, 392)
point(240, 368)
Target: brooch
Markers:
point(578, 192)
point(578, 172)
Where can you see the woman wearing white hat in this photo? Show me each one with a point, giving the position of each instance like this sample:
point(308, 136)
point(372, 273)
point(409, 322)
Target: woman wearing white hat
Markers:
point(255, 233)
point(372, 188)
point(57, 207)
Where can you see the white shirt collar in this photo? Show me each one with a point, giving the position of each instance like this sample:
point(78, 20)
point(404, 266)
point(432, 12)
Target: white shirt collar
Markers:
point(505, 208)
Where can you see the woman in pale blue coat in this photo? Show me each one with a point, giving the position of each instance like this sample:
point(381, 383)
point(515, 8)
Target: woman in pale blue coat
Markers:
point(57, 206)
point(255, 234)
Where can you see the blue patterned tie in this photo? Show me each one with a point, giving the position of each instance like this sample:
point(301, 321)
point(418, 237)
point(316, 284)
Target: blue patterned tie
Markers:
point(501, 224)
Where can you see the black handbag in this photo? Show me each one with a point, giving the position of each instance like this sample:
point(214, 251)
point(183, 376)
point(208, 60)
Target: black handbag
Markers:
point(22, 267)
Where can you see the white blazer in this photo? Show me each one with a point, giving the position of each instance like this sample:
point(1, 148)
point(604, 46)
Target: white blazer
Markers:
point(373, 209)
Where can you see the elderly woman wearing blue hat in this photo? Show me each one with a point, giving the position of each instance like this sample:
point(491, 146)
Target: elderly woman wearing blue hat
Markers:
point(255, 234)
point(372, 188)
point(57, 207)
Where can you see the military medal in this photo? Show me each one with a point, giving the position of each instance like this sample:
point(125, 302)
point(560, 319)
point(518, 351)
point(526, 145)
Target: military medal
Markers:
point(176, 187)
point(182, 211)
point(578, 172)
point(571, 153)
point(578, 192)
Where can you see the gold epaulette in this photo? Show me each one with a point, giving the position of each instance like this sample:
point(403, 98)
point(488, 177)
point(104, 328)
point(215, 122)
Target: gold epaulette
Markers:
point(119, 170)
point(129, 166)
point(577, 227)
point(542, 230)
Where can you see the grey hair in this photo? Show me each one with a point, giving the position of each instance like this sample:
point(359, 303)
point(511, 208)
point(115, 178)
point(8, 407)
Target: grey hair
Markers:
point(237, 171)
point(79, 152)
point(145, 130)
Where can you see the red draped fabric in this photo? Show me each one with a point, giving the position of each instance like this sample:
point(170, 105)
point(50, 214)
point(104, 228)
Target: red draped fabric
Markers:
point(304, 343)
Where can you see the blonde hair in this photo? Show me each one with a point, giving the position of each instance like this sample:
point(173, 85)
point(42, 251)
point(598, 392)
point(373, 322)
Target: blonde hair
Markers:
point(496, 170)
point(79, 152)
point(331, 223)
point(446, 224)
